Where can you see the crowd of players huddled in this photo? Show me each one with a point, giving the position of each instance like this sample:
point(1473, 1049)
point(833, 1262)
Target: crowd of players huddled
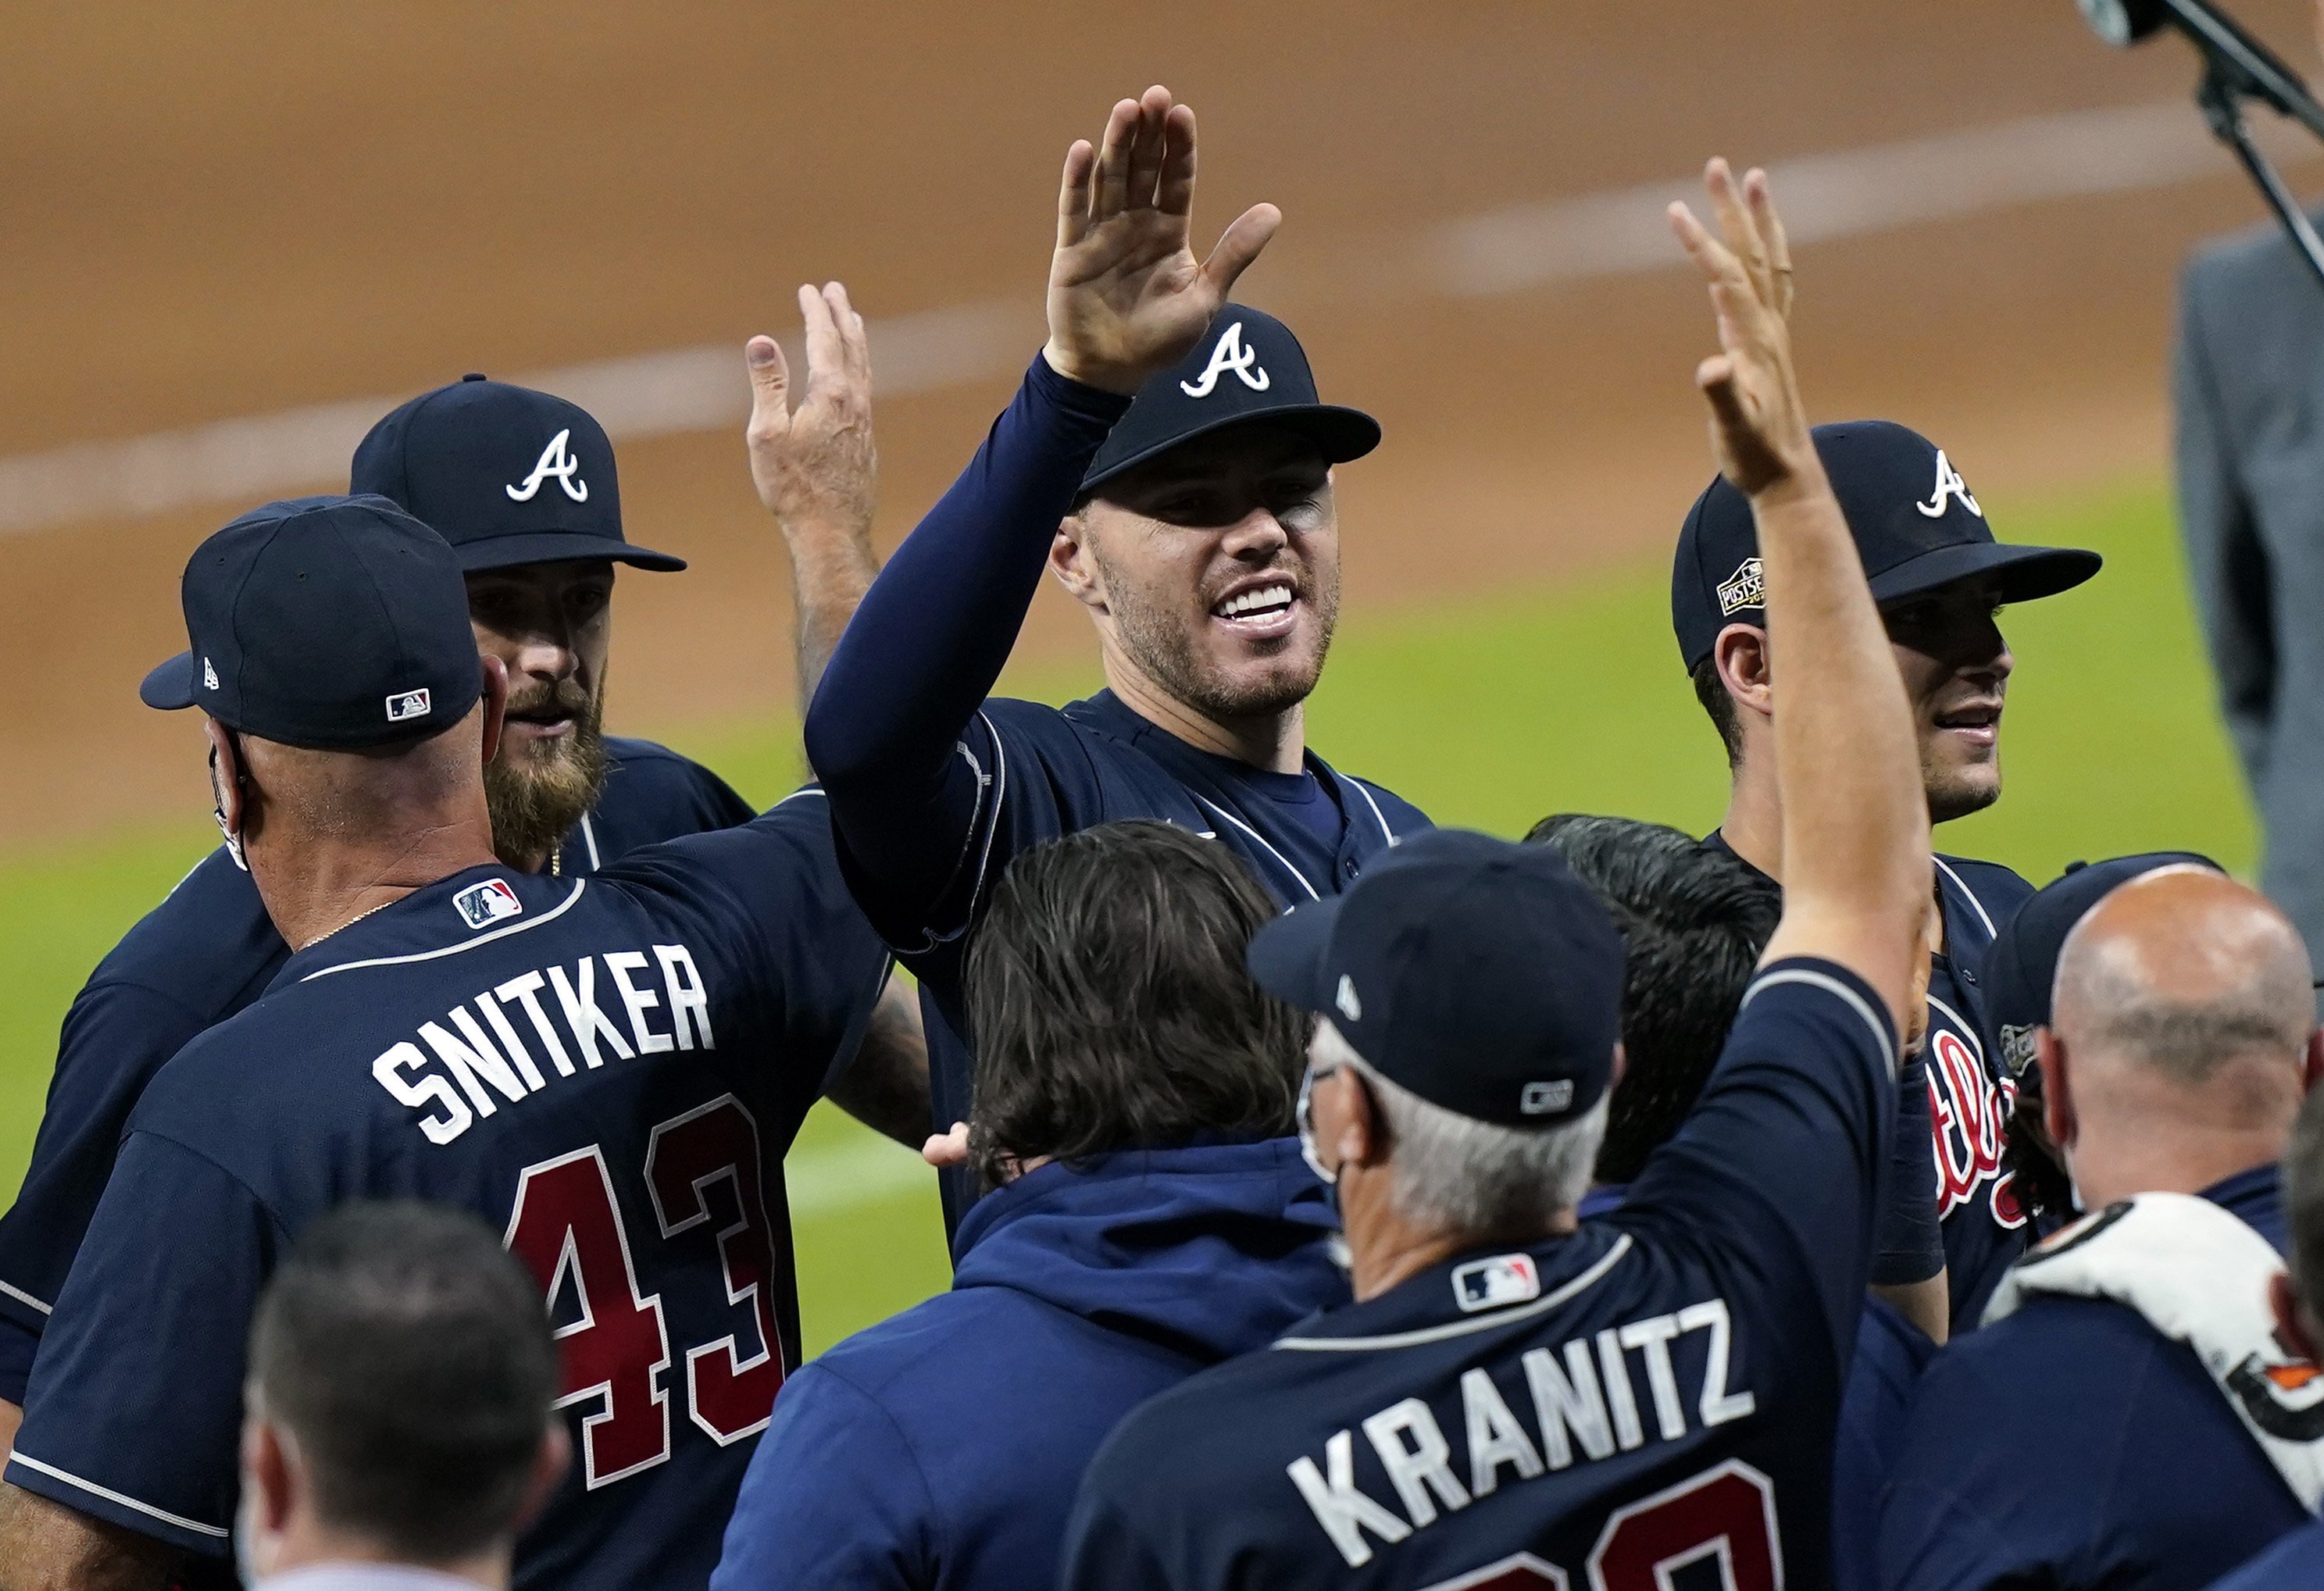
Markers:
point(1333, 1199)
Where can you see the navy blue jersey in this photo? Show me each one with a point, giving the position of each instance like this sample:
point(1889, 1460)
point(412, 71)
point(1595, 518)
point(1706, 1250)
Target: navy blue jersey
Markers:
point(936, 785)
point(1970, 1092)
point(1049, 772)
point(1658, 1390)
point(194, 960)
point(2072, 1445)
point(607, 1069)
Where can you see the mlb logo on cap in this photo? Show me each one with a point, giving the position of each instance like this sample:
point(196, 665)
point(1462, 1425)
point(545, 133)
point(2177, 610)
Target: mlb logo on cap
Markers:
point(483, 905)
point(1490, 1284)
point(406, 705)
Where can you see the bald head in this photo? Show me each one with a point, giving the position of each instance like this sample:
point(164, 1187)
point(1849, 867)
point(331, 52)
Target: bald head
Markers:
point(2184, 970)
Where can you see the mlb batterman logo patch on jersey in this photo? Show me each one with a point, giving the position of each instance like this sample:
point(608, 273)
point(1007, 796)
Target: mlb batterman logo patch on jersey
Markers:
point(1489, 1283)
point(406, 704)
point(482, 905)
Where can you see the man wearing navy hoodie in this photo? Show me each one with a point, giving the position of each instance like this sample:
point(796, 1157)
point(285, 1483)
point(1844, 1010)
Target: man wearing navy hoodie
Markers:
point(1134, 1095)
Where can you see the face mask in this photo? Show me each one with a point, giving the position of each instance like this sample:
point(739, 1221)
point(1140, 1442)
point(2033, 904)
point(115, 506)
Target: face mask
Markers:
point(1305, 1116)
point(217, 811)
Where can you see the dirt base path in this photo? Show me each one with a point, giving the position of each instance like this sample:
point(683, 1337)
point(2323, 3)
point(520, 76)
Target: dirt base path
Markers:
point(308, 204)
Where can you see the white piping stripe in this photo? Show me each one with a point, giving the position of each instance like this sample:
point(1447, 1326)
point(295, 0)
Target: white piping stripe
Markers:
point(110, 1496)
point(1616, 232)
point(1961, 885)
point(1254, 835)
point(22, 1297)
point(550, 915)
point(1881, 1040)
point(1396, 1340)
point(1377, 816)
point(1968, 1028)
point(589, 837)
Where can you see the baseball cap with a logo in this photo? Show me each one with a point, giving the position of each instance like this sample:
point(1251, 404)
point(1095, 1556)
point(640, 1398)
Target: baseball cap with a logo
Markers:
point(506, 475)
point(335, 623)
point(1247, 367)
point(1481, 975)
point(1916, 527)
point(2021, 964)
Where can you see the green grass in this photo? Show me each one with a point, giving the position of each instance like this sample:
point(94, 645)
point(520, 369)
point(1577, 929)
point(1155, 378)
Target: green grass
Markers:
point(1490, 715)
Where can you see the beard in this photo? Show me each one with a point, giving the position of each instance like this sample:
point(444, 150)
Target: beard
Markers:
point(536, 791)
point(1168, 653)
point(1957, 792)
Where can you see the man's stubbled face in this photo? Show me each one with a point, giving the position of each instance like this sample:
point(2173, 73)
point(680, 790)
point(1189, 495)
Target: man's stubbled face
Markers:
point(551, 625)
point(1956, 668)
point(1219, 563)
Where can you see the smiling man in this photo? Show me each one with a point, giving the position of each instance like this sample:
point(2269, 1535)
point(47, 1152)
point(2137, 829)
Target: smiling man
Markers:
point(1168, 462)
point(1939, 579)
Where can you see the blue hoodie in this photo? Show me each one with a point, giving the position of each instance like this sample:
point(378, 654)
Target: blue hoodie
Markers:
point(943, 1447)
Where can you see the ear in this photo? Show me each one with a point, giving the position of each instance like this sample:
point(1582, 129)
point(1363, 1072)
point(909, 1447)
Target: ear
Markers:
point(549, 1466)
point(229, 779)
point(1740, 653)
point(1075, 565)
point(495, 703)
point(2057, 1090)
point(269, 1471)
point(2312, 1071)
point(2293, 1323)
point(1363, 1133)
point(1621, 1066)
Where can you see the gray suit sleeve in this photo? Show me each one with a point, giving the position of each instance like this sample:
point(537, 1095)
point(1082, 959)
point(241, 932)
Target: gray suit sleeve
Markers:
point(2232, 581)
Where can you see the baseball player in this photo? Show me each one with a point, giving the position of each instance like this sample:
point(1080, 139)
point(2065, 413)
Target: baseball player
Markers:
point(522, 484)
point(1516, 1398)
point(1939, 578)
point(602, 1067)
point(1167, 461)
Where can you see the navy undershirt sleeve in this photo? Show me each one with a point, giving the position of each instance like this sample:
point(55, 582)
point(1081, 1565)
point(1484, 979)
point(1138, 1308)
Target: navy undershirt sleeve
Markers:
point(1911, 1242)
point(926, 646)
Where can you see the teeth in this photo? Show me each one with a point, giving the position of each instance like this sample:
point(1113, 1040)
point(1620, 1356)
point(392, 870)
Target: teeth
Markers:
point(1265, 598)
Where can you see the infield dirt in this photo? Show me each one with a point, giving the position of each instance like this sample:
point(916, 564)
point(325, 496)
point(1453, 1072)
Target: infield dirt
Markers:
point(219, 212)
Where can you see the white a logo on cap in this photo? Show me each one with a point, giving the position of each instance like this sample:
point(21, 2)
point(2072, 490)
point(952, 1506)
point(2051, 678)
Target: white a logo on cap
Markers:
point(1231, 354)
point(209, 674)
point(1949, 484)
point(553, 461)
point(1349, 1006)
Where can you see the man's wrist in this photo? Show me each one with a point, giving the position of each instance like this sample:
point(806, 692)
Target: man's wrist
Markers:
point(1801, 484)
point(1063, 365)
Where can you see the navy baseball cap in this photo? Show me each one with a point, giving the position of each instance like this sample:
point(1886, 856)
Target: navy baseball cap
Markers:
point(335, 623)
point(2021, 964)
point(1481, 975)
point(1915, 524)
point(506, 475)
point(1247, 367)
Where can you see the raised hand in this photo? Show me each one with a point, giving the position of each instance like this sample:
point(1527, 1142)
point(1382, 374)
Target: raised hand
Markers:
point(1759, 428)
point(816, 466)
point(1127, 297)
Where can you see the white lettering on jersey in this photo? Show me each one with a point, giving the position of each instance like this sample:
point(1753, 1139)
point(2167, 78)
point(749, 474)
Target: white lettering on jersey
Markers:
point(1344, 1512)
point(555, 461)
point(1230, 354)
point(1949, 484)
point(1583, 1395)
point(477, 1060)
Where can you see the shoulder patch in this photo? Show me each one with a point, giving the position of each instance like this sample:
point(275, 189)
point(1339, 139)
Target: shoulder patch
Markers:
point(493, 901)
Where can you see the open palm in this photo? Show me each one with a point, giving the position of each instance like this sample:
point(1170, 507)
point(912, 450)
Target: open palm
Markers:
point(1127, 296)
point(1758, 426)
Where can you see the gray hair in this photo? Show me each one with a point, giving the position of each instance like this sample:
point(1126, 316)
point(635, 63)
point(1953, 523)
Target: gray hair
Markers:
point(1451, 1172)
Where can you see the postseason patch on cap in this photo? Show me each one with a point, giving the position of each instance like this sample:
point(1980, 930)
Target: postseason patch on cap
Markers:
point(482, 905)
point(1746, 588)
point(1491, 1283)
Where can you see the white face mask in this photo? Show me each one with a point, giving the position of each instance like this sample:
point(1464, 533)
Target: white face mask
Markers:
point(1305, 1116)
